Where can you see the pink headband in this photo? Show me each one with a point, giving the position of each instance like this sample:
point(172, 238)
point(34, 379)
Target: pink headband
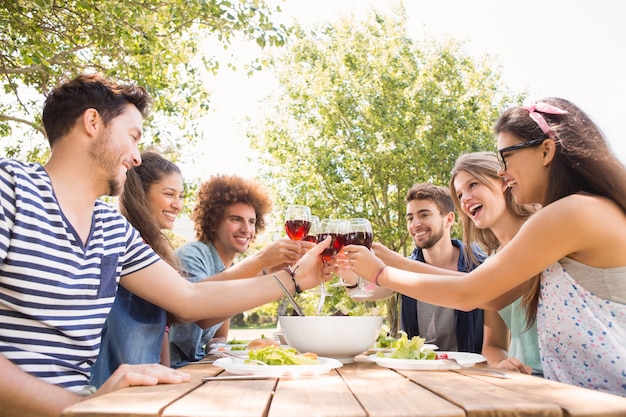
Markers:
point(533, 112)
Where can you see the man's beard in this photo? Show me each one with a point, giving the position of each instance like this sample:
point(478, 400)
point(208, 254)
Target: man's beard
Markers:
point(105, 162)
point(432, 241)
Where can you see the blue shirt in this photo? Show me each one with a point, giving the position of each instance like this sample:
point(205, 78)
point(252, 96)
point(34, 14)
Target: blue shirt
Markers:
point(187, 340)
point(468, 325)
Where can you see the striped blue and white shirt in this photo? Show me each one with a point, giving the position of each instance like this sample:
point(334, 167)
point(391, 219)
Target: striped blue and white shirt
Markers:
point(55, 292)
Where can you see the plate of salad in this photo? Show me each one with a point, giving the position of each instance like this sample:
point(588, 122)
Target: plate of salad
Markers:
point(435, 363)
point(414, 354)
point(241, 349)
point(233, 344)
point(280, 362)
point(386, 343)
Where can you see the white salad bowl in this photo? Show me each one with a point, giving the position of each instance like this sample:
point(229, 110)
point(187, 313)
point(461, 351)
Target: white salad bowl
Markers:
point(338, 337)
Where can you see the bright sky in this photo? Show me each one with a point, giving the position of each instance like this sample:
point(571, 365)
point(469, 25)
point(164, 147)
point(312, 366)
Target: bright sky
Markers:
point(569, 48)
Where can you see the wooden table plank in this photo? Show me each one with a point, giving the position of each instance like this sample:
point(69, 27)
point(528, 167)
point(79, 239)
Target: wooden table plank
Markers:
point(484, 396)
point(224, 398)
point(383, 392)
point(323, 395)
point(362, 389)
point(140, 401)
point(575, 401)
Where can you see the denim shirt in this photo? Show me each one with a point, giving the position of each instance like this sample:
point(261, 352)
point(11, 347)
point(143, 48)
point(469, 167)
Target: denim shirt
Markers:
point(187, 340)
point(468, 325)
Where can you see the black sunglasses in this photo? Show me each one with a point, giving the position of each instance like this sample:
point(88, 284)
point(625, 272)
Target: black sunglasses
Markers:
point(529, 144)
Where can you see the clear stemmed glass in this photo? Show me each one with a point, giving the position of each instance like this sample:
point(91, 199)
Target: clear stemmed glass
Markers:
point(337, 230)
point(297, 221)
point(340, 259)
point(360, 233)
point(311, 236)
point(342, 263)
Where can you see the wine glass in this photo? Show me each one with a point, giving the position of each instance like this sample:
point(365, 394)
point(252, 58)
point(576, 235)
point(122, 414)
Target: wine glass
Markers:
point(297, 221)
point(340, 259)
point(337, 230)
point(311, 236)
point(360, 233)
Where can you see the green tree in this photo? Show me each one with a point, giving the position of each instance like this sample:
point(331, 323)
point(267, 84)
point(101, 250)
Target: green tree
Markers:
point(157, 44)
point(364, 112)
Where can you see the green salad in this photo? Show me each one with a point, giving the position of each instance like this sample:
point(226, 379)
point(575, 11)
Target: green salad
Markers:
point(237, 342)
point(408, 349)
point(276, 355)
point(384, 341)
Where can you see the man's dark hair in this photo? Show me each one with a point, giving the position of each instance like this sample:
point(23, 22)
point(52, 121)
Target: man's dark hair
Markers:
point(71, 98)
point(437, 194)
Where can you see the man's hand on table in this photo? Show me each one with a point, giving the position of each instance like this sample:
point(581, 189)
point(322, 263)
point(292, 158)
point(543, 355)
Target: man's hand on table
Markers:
point(148, 374)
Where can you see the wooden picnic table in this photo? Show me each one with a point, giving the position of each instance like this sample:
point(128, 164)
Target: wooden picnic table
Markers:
point(358, 389)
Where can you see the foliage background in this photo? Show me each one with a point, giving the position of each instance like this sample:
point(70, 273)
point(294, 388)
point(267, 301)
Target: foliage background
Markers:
point(154, 43)
point(362, 112)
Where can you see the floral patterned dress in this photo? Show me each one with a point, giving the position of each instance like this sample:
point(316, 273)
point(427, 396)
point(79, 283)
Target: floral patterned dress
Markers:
point(582, 338)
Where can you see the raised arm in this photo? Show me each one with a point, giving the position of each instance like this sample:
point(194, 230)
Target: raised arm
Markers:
point(544, 239)
point(163, 286)
point(396, 260)
point(274, 257)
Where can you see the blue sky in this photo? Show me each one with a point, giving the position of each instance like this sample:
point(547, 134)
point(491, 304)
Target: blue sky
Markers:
point(573, 49)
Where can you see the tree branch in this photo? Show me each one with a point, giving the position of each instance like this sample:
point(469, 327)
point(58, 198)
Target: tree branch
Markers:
point(34, 125)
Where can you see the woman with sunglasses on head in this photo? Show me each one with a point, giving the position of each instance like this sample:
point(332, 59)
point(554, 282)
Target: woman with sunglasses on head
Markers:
point(554, 155)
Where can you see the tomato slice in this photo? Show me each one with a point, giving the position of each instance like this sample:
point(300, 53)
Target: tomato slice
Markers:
point(442, 356)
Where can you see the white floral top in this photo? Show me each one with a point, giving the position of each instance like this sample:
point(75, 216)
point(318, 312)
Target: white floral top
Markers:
point(582, 338)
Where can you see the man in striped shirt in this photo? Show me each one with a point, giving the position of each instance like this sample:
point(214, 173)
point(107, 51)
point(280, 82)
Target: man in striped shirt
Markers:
point(63, 253)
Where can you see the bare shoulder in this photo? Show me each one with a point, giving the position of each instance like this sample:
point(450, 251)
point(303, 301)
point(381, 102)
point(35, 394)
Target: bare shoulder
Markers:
point(581, 205)
point(594, 226)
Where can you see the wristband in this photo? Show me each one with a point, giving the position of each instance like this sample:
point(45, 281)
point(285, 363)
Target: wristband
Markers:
point(292, 274)
point(375, 281)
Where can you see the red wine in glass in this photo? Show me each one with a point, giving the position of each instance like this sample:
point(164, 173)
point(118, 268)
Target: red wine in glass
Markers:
point(360, 238)
point(310, 238)
point(337, 242)
point(297, 229)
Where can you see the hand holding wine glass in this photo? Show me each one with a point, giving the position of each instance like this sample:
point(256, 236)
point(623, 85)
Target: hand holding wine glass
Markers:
point(360, 233)
point(337, 230)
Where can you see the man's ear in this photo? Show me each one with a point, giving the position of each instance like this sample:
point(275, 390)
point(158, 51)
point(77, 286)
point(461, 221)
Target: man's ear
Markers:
point(450, 218)
point(548, 148)
point(91, 121)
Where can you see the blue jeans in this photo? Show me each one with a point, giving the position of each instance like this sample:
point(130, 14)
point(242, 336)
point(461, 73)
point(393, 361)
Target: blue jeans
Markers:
point(188, 342)
point(133, 334)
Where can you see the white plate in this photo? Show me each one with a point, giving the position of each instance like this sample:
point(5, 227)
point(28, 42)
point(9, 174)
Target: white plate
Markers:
point(236, 352)
point(425, 346)
point(237, 366)
point(228, 346)
point(463, 359)
point(242, 353)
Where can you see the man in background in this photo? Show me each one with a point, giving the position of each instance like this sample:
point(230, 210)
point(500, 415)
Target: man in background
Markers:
point(429, 218)
point(228, 214)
